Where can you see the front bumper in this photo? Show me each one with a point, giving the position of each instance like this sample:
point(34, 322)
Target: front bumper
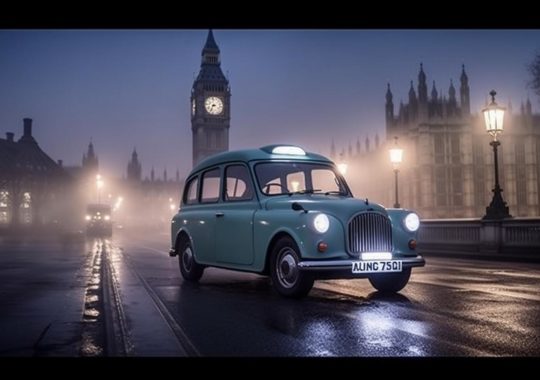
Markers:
point(343, 268)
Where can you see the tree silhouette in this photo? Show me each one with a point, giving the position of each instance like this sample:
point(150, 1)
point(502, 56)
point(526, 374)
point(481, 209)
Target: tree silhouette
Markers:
point(534, 70)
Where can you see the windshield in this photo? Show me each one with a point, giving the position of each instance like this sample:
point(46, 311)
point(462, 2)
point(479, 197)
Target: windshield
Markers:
point(275, 178)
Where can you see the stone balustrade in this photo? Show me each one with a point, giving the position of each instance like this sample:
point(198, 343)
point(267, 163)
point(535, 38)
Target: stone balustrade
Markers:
point(518, 236)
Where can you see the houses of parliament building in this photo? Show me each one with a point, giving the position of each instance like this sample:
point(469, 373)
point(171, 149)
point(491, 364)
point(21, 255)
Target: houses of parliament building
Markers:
point(448, 166)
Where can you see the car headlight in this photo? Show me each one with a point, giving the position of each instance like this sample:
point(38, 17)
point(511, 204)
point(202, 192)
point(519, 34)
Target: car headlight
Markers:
point(321, 223)
point(107, 217)
point(412, 222)
point(87, 217)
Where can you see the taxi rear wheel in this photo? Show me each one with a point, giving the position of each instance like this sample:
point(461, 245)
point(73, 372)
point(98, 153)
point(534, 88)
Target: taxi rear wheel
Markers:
point(190, 269)
point(390, 282)
point(287, 279)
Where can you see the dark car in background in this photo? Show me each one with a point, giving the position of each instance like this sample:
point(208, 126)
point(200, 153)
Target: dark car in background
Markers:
point(98, 220)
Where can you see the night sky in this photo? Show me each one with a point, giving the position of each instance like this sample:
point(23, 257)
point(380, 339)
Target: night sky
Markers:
point(131, 88)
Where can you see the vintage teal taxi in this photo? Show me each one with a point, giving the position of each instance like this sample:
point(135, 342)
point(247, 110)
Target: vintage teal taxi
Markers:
point(287, 213)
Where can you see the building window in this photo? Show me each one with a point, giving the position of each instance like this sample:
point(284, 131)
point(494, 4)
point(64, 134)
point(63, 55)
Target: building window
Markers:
point(438, 144)
point(4, 207)
point(26, 208)
point(455, 152)
point(440, 186)
point(457, 186)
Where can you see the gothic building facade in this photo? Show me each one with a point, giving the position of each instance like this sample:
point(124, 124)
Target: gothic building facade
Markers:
point(447, 169)
point(210, 105)
point(33, 187)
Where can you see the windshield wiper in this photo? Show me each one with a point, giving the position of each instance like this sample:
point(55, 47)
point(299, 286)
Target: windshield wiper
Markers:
point(305, 191)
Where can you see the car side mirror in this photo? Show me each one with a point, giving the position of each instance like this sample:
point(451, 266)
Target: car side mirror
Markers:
point(298, 207)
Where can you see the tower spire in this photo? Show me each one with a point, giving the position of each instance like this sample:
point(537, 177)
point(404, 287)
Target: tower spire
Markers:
point(210, 51)
point(134, 168)
point(434, 94)
point(389, 106)
point(451, 91)
point(464, 92)
point(422, 86)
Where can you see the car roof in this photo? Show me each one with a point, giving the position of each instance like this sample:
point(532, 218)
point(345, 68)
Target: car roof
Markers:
point(264, 153)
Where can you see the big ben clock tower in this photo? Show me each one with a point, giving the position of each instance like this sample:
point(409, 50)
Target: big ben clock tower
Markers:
point(210, 105)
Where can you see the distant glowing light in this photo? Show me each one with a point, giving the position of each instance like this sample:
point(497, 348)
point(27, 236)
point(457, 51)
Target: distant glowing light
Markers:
point(295, 185)
point(396, 155)
point(292, 150)
point(342, 167)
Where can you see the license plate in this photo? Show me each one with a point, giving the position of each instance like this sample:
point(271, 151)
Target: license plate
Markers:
point(377, 266)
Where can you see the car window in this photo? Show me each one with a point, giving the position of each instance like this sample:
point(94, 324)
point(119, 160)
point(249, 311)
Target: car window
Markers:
point(210, 186)
point(296, 181)
point(288, 177)
point(190, 196)
point(238, 183)
point(324, 179)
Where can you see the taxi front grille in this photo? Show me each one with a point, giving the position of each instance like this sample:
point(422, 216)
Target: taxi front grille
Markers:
point(370, 232)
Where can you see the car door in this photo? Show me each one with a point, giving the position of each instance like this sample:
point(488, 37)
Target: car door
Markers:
point(202, 218)
point(234, 221)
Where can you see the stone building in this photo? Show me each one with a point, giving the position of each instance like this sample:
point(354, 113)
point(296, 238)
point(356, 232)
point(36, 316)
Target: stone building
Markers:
point(33, 186)
point(447, 169)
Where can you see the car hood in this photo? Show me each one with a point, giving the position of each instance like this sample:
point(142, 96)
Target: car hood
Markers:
point(340, 207)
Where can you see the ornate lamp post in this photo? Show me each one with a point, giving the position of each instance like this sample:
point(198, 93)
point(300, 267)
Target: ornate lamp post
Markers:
point(396, 156)
point(494, 117)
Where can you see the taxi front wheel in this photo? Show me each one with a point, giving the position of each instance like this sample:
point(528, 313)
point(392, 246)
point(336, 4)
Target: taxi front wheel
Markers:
point(287, 279)
point(191, 270)
point(390, 282)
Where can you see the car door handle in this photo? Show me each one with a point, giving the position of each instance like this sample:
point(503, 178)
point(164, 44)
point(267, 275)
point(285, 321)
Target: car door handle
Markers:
point(220, 214)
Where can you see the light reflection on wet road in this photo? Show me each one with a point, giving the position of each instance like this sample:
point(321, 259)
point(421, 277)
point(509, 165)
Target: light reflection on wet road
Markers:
point(451, 307)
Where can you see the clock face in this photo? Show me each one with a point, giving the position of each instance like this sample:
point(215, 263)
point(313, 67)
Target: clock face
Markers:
point(213, 105)
point(193, 107)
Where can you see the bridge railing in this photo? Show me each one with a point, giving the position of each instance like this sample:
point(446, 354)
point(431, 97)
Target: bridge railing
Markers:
point(511, 236)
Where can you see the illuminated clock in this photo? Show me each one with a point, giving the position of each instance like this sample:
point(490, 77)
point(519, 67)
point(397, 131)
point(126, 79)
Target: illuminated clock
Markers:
point(213, 105)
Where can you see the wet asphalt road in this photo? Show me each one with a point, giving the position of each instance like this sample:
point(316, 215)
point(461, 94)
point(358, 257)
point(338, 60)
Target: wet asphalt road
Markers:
point(451, 307)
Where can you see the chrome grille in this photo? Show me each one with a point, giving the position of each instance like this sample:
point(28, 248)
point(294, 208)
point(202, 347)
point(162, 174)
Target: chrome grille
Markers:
point(370, 232)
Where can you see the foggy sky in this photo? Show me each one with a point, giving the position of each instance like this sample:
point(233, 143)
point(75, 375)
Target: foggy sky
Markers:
point(126, 89)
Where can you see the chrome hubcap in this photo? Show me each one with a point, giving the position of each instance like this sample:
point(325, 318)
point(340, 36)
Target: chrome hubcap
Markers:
point(187, 259)
point(287, 270)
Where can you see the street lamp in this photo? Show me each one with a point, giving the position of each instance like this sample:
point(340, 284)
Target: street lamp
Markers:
point(494, 117)
point(396, 156)
point(99, 185)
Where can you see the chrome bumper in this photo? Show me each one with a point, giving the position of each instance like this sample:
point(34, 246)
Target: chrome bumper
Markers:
point(346, 265)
